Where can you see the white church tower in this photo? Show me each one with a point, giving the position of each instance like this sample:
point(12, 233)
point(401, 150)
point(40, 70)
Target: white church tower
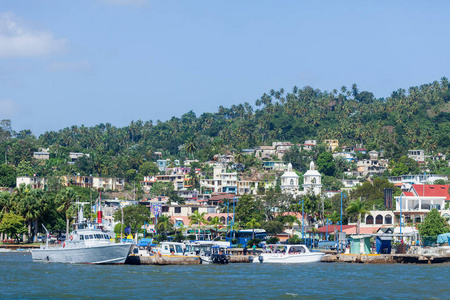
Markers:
point(289, 180)
point(312, 180)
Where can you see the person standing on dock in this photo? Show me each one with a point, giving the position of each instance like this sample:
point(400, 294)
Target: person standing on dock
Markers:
point(254, 249)
point(245, 250)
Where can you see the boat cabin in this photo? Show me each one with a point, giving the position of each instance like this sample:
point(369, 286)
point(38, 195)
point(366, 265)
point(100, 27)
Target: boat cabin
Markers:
point(286, 249)
point(172, 248)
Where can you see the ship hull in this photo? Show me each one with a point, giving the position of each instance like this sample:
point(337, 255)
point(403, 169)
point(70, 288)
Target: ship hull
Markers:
point(105, 254)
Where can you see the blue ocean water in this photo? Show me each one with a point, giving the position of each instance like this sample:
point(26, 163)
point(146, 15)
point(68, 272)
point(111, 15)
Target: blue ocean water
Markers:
point(21, 278)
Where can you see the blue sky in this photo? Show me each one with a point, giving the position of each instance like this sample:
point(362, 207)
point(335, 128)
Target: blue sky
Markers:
point(65, 63)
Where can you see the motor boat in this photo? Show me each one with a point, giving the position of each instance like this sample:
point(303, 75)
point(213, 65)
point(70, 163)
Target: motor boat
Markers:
point(277, 253)
point(87, 244)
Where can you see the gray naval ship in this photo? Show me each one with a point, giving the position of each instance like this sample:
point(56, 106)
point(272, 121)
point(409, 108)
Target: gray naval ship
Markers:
point(87, 244)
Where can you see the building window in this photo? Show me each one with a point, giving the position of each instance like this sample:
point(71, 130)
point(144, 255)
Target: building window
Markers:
point(379, 219)
point(194, 209)
point(165, 209)
point(369, 220)
point(388, 219)
point(178, 210)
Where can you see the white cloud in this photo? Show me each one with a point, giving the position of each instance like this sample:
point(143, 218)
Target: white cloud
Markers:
point(76, 66)
point(17, 40)
point(126, 2)
point(8, 109)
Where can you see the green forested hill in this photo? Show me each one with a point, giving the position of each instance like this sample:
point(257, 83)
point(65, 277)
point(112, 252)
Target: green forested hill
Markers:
point(417, 118)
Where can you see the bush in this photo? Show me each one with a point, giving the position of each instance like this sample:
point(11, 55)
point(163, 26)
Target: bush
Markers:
point(234, 241)
point(295, 239)
point(255, 241)
point(273, 240)
point(179, 237)
point(191, 237)
point(160, 237)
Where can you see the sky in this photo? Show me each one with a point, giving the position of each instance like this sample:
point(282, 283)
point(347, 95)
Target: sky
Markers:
point(87, 62)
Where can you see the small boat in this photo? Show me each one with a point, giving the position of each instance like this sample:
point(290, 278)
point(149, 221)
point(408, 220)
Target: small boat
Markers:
point(210, 251)
point(276, 253)
point(220, 255)
point(201, 249)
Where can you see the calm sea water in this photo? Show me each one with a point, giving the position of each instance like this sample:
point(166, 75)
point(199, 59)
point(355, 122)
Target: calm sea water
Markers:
point(21, 278)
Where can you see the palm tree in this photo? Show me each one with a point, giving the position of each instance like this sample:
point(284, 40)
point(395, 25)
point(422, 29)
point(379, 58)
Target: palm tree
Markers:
point(252, 224)
point(63, 201)
point(235, 228)
point(5, 202)
point(29, 209)
point(299, 222)
point(165, 223)
point(358, 208)
point(215, 222)
point(43, 205)
point(239, 157)
point(191, 147)
point(197, 218)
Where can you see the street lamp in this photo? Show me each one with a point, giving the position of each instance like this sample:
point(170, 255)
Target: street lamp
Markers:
point(401, 220)
point(339, 242)
point(235, 199)
point(345, 196)
point(327, 223)
point(303, 217)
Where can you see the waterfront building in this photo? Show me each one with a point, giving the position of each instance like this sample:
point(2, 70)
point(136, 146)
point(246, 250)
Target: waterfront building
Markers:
point(414, 204)
point(106, 183)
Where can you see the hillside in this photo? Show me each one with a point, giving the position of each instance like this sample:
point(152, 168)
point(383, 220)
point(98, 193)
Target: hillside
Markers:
point(417, 118)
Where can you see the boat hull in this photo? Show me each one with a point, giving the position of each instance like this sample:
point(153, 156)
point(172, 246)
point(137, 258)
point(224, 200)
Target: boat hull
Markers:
point(290, 259)
point(105, 254)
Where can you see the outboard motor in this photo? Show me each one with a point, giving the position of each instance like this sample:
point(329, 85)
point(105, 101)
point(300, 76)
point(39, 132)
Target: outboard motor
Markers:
point(250, 258)
point(260, 258)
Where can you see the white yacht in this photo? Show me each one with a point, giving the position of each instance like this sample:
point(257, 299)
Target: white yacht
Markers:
point(277, 253)
point(85, 245)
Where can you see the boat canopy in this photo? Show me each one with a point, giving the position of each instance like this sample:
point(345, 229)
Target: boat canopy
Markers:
point(443, 238)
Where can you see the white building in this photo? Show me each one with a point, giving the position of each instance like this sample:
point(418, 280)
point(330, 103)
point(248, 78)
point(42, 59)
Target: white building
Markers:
point(406, 181)
point(222, 182)
point(312, 180)
point(414, 205)
point(289, 180)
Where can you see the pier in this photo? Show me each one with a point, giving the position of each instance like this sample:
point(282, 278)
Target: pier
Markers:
point(386, 258)
point(163, 260)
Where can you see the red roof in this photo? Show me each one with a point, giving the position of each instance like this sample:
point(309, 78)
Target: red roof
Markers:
point(348, 229)
point(223, 197)
point(432, 190)
point(323, 229)
point(408, 193)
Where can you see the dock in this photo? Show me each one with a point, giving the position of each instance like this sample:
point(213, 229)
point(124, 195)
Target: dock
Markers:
point(163, 260)
point(242, 258)
point(386, 258)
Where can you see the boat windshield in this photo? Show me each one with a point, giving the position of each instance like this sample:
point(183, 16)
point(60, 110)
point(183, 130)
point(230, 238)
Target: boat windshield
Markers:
point(178, 248)
point(276, 249)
